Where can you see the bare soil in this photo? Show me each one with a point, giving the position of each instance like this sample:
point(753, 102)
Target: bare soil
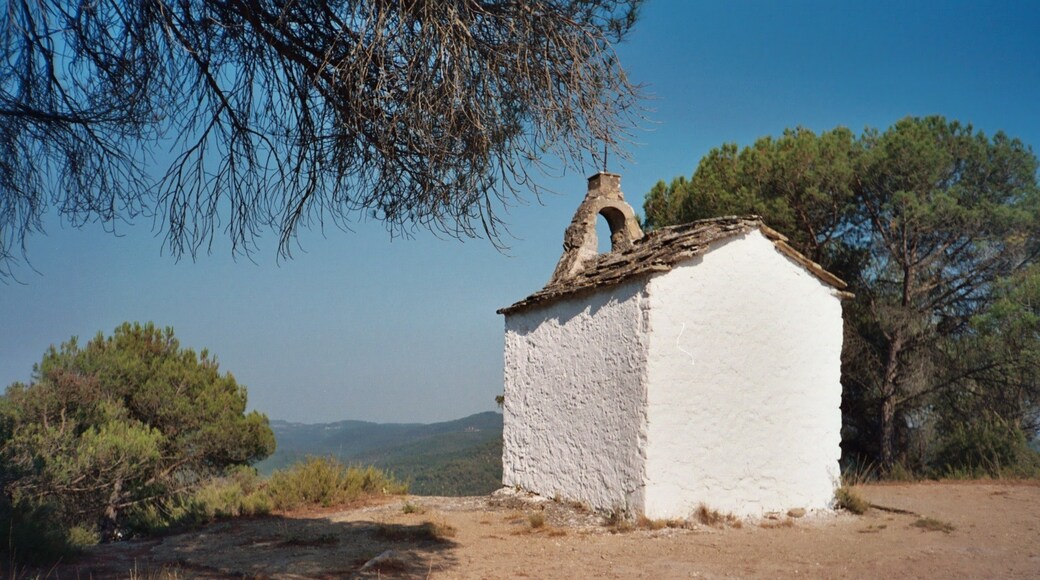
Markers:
point(941, 530)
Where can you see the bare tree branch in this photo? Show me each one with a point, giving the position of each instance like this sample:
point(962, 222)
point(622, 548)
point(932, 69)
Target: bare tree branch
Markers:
point(285, 114)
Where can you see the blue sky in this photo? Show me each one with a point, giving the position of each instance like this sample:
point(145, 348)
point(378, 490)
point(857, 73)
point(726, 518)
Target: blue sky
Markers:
point(359, 326)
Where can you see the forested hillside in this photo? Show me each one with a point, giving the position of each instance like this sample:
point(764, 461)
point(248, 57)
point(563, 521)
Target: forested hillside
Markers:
point(461, 457)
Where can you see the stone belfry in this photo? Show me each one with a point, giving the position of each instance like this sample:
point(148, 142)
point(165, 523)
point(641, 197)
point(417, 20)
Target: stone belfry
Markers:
point(580, 242)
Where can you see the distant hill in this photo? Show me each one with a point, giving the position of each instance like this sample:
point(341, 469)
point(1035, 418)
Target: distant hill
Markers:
point(461, 457)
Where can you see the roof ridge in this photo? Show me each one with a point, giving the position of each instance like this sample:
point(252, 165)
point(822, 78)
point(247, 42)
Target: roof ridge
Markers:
point(662, 249)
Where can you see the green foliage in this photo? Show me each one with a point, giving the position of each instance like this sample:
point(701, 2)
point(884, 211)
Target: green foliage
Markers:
point(475, 470)
point(900, 472)
point(411, 508)
point(800, 182)
point(987, 447)
point(324, 481)
point(239, 494)
point(80, 537)
point(934, 227)
point(127, 423)
point(33, 533)
point(242, 493)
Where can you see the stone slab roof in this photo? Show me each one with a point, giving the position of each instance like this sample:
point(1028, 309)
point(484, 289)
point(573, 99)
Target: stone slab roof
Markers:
point(661, 250)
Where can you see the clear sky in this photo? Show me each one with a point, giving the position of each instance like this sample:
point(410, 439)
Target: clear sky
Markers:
point(359, 326)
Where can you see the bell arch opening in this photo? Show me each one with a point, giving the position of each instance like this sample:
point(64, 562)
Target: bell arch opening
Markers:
point(619, 235)
point(602, 233)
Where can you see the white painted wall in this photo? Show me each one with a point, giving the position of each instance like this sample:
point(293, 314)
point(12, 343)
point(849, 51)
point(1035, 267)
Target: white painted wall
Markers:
point(575, 394)
point(744, 384)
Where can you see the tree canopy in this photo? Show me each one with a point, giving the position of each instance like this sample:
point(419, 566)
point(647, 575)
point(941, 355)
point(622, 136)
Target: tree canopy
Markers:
point(280, 114)
point(122, 423)
point(934, 225)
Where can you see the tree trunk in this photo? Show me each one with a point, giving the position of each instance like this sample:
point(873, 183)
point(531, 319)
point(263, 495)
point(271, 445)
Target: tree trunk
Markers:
point(888, 431)
point(110, 527)
point(888, 402)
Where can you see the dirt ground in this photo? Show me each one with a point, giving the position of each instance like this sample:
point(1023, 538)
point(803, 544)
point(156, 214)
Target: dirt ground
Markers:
point(940, 530)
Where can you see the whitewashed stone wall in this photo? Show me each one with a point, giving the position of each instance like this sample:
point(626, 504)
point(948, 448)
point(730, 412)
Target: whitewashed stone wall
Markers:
point(575, 398)
point(744, 384)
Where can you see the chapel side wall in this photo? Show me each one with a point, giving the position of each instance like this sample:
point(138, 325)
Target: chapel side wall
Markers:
point(744, 384)
point(574, 409)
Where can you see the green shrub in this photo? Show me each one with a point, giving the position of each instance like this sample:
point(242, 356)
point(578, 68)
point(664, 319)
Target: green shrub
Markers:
point(257, 503)
point(156, 518)
point(411, 508)
point(124, 420)
point(228, 497)
point(80, 537)
point(240, 493)
point(36, 534)
point(33, 534)
point(325, 481)
point(988, 447)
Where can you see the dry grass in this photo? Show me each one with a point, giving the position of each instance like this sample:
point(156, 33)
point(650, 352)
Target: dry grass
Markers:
point(618, 522)
point(645, 523)
point(715, 518)
point(849, 500)
point(934, 525)
point(164, 573)
point(536, 520)
point(859, 473)
point(536, 524)
point(325, 481)
point(514, 517)
point(776, 524)
point(411, 508)
point(443, 530)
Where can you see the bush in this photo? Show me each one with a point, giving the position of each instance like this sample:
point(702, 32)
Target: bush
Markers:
point(157, 518)
point(988, 447)
point(325, 481)
point(240, 493)
point(33, 534)
point(126, 420)
point(80, 538)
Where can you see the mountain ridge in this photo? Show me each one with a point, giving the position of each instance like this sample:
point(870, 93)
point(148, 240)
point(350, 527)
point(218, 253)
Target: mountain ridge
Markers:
point(458, 457)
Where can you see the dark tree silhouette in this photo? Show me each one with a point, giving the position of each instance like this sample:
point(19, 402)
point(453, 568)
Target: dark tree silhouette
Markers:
point(234, 117)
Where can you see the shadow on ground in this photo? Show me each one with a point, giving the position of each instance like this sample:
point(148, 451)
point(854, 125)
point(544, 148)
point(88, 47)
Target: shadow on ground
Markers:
point(275, 547)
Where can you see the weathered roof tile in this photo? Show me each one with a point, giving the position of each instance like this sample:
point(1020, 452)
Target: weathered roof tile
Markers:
point(660, 251)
